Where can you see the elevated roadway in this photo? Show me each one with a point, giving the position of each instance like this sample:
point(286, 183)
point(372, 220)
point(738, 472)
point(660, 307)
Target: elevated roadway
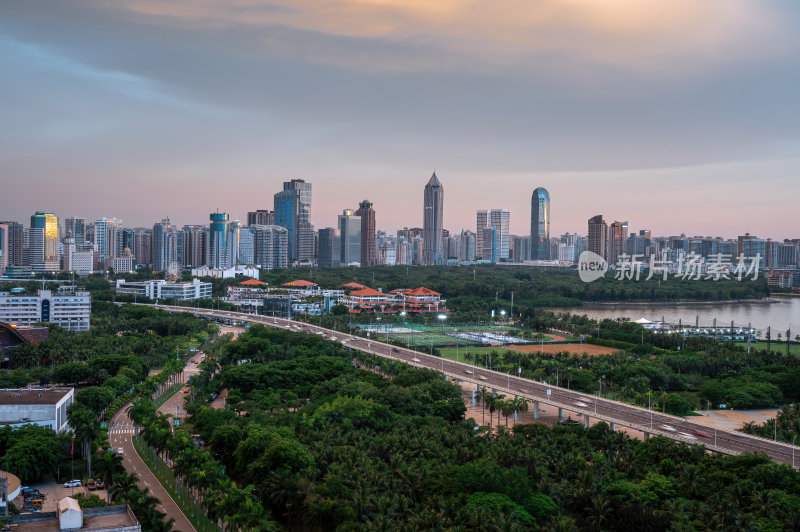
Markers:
point(584, 406)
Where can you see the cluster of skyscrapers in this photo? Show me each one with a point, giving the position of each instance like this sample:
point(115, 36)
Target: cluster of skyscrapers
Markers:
point(284, 237)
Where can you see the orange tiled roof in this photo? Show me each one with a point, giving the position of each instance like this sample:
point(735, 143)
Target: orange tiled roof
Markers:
point(422, 291)
point(353, 285)
point(367, 292)
point(299, 282)
point(252, 282)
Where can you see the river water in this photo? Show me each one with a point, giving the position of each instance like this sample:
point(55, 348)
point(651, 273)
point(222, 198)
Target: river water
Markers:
point(782, 315)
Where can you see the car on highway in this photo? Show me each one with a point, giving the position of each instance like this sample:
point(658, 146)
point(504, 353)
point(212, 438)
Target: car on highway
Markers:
point(72, 484)
point(687, 436)
point(468, 371)
point(415, 359)
point(581, 404)
point(668, 428)
point(701, 434)
point(120, 452)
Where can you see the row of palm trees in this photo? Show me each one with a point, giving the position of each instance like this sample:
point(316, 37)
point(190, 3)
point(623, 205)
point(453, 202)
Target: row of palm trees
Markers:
point(498, 403)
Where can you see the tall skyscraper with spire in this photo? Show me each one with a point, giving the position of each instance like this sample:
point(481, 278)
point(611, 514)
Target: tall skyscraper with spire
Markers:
point(432, 248)
point(540, 224)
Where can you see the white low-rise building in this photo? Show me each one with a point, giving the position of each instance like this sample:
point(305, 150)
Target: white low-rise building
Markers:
point(226, 273)
point(69, 309)
point(159, 289)
point(37, 406)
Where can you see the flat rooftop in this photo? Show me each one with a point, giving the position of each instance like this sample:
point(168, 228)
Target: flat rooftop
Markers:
point(120, 519)
point(33, 396)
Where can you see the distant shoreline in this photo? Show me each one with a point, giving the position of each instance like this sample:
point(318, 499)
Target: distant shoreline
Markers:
point(634, 304)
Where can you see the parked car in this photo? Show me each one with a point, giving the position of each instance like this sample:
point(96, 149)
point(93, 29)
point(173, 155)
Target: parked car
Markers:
point(73, 484)
point(186, 390)
point(99, 484)
point(91, 484)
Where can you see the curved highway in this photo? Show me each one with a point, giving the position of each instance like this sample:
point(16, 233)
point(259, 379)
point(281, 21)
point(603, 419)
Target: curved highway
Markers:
point(588, 406)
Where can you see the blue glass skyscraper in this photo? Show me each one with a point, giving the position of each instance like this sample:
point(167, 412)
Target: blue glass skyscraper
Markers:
point(540, 224)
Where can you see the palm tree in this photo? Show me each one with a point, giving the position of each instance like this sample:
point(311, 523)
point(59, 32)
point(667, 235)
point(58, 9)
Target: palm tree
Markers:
point(85, 428)
point(499, 398)
point(483, 395)
point(507, 408)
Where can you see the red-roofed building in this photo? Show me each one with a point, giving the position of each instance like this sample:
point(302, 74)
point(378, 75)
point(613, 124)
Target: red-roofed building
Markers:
point(419, 300)
point(416, 301)
point(252, 282)
point(369, 300)
point(300, 283)
point(353, 286)
point(13, 335)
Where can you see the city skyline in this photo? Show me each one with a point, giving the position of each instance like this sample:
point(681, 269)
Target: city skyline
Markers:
point(637, 111)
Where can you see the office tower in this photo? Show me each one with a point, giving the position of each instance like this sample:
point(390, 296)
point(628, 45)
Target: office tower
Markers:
point(270, 246)
point(77, 260)
point(482, 222)
point(540, 224)
point(233, 243)
point(106, 231)
point(490, 244)
point(416, 250)
point(751, 246)
point(75, 228)
point(218, 253)
point(3, 247)
point(292, 206)
point(501, 220)
point(468, 251)
point(16, 232)
point(520, 248)
point(432, 222)
point(368, 248)
point(617, 234)
point(246, 251)
point(165, 245)
point(261, 217)
point(44, 242)
point(127, 237)
point(598, 232)
point(329, 247)
point(195, 246)
point(350, 234)
point(143, 246)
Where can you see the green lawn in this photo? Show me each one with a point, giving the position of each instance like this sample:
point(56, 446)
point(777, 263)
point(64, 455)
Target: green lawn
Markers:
point(776, 347)
point(450, 352)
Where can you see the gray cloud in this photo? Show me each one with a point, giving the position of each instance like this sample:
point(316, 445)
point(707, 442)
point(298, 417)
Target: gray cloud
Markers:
point(177, 103)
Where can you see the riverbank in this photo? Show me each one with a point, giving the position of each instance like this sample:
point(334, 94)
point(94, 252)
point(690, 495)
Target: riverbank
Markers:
point(635, 304)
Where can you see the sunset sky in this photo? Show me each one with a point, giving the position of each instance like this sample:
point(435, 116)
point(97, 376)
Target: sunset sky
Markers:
point(676, 115)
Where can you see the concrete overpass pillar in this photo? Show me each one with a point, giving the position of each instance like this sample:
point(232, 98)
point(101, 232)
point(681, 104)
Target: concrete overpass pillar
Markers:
point(536, 410)
point(560, 414)
point(646, 435)
point(586, 420)
point(613, 427)
point(474, 393)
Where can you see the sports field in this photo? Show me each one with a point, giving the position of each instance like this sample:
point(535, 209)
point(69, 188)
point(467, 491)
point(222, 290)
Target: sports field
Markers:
point(587, 349)
point(575, 349)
